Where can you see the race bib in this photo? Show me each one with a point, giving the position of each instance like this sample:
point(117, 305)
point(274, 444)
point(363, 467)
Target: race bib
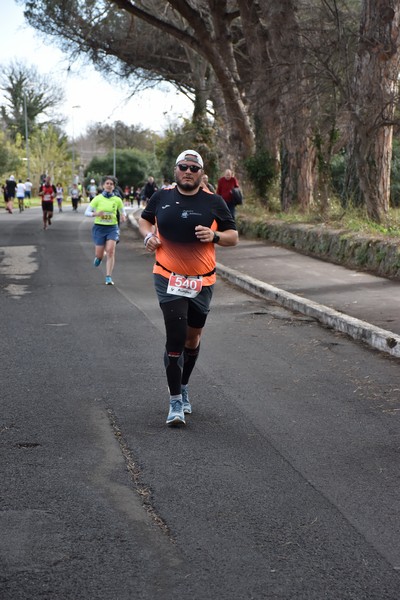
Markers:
point(179, 285)
point(106, 218)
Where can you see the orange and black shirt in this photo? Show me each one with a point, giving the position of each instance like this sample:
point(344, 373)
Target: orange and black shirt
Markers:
point(175, 216)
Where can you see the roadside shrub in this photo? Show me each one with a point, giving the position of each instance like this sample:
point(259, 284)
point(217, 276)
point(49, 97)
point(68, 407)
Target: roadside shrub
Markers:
point(261, 170)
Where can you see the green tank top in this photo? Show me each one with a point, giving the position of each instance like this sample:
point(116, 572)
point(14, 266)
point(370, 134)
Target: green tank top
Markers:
point(109, 206)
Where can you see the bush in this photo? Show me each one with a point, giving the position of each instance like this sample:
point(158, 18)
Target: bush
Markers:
point(338, 172)
point(261, 171)
point(132, 166)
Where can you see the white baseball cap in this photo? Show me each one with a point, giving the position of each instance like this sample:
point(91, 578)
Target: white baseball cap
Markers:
point(190, 155)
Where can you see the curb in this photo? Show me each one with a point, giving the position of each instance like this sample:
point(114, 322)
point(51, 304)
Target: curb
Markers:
point(377, 338)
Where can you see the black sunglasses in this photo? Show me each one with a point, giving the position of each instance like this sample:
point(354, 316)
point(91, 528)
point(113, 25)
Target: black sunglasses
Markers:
point(192, 168)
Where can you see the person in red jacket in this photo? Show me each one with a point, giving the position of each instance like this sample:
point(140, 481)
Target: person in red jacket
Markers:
point(225, 187)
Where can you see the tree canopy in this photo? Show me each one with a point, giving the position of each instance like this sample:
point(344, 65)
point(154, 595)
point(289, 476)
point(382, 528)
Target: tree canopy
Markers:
point(30, 99)
point(287, 78)
point(132, 167)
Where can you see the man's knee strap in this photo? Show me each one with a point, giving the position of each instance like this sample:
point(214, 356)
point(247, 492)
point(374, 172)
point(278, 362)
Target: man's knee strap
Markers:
point(171, 358)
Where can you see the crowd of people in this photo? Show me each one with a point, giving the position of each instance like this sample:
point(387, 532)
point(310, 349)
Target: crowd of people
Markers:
point(138, 196)
point(16, 190)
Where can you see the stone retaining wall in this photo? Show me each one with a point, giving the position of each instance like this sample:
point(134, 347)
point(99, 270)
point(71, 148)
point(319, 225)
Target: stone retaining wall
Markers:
point(377, 255)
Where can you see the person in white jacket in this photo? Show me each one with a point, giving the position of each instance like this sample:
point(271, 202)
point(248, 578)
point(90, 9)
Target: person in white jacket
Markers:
point(20, 194)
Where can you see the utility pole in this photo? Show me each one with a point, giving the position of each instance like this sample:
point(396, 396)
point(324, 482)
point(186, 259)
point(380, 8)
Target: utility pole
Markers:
point(27, 138)
point(114, 154)
point(73, 145)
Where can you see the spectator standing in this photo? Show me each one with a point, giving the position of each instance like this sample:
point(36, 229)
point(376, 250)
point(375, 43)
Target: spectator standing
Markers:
point(11, 186)
point(20, 195)
point(182, 224)
point(207, 184)
point(224, 188)
point(149, 189)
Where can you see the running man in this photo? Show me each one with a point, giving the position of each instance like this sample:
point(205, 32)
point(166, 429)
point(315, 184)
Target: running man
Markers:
point(182, 224)
point(105, 230)
point(47, 192)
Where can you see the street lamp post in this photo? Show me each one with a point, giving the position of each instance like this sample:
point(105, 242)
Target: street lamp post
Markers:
point(114, 154)
point(27, 138)
point(73, 144)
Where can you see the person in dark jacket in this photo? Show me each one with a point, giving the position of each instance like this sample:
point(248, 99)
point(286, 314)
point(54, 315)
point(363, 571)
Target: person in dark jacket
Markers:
point(11, 186)
point(149, 189)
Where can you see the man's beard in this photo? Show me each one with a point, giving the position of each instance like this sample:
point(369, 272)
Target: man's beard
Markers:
point(188, 186)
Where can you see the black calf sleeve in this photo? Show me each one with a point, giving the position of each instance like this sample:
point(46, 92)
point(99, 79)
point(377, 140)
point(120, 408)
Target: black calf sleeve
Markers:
point(190, 355)
point(175, 319)
point(173, 368)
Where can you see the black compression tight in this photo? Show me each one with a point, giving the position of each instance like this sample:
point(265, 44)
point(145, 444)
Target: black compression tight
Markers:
point(179, 361)
point(190, 356)
point(173, 369)
point(175, 318)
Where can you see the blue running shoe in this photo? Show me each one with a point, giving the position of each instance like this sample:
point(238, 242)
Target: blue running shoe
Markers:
point(109, 281)
point(187, 407)
point(175, 415)
point(96, 262)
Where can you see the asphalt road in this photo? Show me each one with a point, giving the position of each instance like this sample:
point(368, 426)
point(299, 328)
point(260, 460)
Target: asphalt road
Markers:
point(283, 485)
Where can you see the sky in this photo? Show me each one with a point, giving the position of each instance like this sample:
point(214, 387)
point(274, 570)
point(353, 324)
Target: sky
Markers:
point(151, 109)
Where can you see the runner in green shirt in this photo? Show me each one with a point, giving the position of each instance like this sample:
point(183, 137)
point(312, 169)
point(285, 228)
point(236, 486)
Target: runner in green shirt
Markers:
point(105, 230)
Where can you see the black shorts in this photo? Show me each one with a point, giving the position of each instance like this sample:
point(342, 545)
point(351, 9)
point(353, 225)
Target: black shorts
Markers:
point(47, 206)
point(197, 308)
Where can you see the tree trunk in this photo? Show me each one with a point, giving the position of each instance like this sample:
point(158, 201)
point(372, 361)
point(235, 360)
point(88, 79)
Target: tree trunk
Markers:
point(297, 173)
point(285, 47)
point(262, 86)
point(375, 94)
